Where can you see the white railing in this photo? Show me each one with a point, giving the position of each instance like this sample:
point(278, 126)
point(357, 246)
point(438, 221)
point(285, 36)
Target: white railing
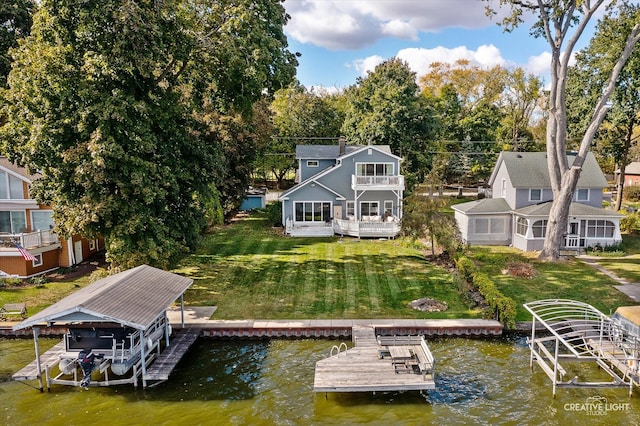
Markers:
point(366, 228)
point(395, 181)
point(572, 241)
point(29, 239)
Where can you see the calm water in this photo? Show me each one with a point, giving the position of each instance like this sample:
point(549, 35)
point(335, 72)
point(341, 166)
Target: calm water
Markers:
point(271, 382)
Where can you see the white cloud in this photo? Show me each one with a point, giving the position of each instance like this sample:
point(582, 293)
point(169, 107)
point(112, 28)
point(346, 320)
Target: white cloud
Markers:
point(420, 59)
point(338, 24)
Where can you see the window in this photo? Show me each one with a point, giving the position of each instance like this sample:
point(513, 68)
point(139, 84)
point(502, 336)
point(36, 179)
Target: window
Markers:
point(535, 194)
point(13, 222)
point(42, 220)
point(503, 191)
point(351, 208)
point(10, 187)
point(539, 228)
point(388, 207)
point(494, 225)
point(38, 261)
point(521, 226)
point(92, 245)
point(369, 208)
point(312, 163)
point(600, 228)
point(313, 211)
point(582, 194)
point(374, 169)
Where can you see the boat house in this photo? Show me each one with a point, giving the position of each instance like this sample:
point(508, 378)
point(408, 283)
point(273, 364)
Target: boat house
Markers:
point(120, 322)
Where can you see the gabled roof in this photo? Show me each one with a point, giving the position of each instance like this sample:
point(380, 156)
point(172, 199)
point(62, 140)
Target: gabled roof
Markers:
point(529, 170)
point(631, 169)
point(575, 209)
point(484, 206)
point(322, 152)
point(135, 298)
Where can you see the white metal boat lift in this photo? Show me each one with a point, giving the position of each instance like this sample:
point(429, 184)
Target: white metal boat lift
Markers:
point(576, 331)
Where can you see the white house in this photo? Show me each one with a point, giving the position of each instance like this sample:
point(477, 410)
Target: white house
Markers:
point(518, 208)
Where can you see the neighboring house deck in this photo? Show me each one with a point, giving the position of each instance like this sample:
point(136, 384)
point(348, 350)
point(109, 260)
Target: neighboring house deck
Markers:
point(30, 225)
point(344, 190)
point(518, 211)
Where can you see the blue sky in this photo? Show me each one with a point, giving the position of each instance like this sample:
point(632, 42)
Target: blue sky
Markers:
point(342, 39)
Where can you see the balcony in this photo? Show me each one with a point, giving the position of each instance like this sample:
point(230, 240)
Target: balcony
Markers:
point(29, 240)
point(377, 182)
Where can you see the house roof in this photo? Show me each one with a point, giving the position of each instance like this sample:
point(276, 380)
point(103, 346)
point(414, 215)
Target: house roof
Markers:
point(484, 206)
point(529, 170)
point(320, 152)
point(135, 298)
point(575, 209)
point(631, 168)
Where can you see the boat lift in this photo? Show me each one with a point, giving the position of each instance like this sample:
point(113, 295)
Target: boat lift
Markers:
point(576, 331)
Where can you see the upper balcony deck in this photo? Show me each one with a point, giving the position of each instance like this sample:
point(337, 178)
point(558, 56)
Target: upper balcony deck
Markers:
point(395, 182)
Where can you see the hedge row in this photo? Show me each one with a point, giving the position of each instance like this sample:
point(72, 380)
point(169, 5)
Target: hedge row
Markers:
point(500, 306)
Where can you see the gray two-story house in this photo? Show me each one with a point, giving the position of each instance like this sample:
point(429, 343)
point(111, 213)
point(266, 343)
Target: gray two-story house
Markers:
point(517, 211)
point(346, 190)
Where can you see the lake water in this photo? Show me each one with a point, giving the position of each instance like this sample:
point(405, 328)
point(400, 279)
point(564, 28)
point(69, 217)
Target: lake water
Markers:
point(270, 382)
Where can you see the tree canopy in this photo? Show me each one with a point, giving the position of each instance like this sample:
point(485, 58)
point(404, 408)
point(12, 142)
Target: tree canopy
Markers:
point(119, 106)
point(15, 23)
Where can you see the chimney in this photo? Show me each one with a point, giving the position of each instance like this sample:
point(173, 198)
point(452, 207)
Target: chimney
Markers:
point(342, 141)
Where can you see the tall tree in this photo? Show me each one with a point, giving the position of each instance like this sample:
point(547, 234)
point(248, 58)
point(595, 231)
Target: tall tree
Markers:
point(616, 135)
point(561, 24)
point(111, 101)
point(384, 109)
point(15, 23)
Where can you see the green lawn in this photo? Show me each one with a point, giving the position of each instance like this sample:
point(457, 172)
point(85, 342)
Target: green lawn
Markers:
point(570, 279)
point(250, 271)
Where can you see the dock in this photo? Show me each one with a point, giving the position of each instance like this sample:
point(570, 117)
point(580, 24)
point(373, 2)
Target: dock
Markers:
point(376, 364)
point(50, 358)
point(169, 358)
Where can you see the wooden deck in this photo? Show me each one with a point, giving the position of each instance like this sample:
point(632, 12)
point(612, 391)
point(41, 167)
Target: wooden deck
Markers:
point(363, 369)
point(169, 358)
point(50, 358)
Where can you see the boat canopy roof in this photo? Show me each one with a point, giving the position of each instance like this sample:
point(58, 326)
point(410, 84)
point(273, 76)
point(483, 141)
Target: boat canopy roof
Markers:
point(135, 297)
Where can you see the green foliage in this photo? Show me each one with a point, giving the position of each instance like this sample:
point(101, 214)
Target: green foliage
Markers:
point(14, 282)
point(632, 193)
point(131, 110)
point(423, 217)
point(501, 307)
point(466, 268)
point(630, 223)
point(273, 213)
point(15, 19)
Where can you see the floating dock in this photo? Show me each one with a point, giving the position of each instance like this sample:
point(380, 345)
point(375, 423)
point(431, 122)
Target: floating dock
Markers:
point(376, 363)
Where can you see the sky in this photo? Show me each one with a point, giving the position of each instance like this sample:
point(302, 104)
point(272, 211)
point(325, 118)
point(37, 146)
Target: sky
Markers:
point(340, 40)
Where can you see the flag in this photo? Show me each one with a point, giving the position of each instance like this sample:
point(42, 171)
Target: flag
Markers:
point(23, 251)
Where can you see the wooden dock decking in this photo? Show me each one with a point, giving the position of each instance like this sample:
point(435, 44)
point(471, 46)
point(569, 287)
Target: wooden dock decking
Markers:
point(169, 358)
point(49, 358)
point(362, 369)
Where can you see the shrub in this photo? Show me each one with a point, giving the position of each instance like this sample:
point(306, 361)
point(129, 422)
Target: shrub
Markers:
point(466, 268)
point(501, 307)
point(632, 193)
point(274, 214)
point(630, 223)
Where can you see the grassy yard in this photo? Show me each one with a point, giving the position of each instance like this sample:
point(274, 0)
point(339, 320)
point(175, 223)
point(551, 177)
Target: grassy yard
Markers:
point(250, 271)
point(570, 279)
